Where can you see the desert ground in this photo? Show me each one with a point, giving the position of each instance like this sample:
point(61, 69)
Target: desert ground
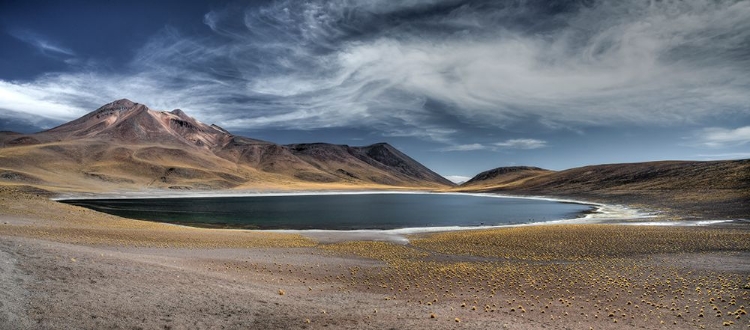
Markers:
point(65, 267)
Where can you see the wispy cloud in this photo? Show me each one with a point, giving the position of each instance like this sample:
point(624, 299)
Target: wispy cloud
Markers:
point(717, 137)
point(19, 100)
point(43, 44)
point(385, 65)
point(464, 147)
point(438, 134)
point(522, 144)
point(507, 144)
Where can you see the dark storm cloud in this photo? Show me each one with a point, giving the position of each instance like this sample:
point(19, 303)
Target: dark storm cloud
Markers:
point(429, 69)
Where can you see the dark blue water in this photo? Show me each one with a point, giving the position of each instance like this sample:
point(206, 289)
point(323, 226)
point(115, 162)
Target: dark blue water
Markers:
point(338, 212)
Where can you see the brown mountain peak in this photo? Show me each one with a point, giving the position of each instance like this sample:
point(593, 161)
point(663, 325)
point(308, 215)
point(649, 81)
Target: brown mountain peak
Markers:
point(505, 175)
point(95, 121)
point(124, 102)
point(126, 143)
point(393, 160)
point(130, 122)
point(180, 113)
point(116, 106)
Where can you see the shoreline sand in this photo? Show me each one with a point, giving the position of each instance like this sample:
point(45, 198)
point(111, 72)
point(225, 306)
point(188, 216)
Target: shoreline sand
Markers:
point(601, 214)
point(69, 267)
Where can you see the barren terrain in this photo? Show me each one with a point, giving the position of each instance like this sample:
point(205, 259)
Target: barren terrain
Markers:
point(680, 189)
point(68, 267)
point(126, 145)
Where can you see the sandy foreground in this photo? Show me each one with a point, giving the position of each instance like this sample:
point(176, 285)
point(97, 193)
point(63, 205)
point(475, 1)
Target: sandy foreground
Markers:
point(64, 267)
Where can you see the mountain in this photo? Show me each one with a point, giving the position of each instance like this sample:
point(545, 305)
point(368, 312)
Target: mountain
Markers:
point(503, 176)
point(127, 145)
point(702, 189)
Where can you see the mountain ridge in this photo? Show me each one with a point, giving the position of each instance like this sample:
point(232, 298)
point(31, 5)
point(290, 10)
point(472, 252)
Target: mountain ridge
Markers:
point(505, 175)
point(702, 189)
point(124, 143)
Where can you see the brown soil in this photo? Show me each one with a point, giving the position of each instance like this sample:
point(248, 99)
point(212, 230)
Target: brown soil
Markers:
point(66, 267)
point(685, 189)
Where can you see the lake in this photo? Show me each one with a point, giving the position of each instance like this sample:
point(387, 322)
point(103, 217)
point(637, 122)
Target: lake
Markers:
point(338, 211)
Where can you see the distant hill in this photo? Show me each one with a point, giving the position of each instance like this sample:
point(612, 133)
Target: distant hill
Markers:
point(127, 145)
point(503, 176)
point(703, 189)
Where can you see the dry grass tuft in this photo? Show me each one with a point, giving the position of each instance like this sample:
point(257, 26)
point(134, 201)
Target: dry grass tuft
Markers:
point(581, 242)
point(77, 225)
point(584, 271)
point(376, 250)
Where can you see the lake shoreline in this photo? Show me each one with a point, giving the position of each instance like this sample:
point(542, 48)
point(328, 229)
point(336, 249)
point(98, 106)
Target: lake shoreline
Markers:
point(401, 211)
point(599, 214)
point(70, 267)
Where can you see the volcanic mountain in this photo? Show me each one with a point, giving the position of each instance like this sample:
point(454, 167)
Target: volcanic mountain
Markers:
point(127, 145)
point(702, 189)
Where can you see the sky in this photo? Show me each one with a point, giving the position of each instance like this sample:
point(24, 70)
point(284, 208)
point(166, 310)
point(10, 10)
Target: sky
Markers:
point(460, 86)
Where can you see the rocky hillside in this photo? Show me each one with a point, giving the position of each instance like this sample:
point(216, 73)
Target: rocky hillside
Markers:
point(502, 176)
point(702, 189)
point(127, 145)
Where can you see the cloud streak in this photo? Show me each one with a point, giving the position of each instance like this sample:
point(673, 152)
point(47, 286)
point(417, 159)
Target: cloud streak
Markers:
point(384, 65)
point(525, 144)
point(522, 144)
point(43, 44)
point(717, 137)
point(464, 147)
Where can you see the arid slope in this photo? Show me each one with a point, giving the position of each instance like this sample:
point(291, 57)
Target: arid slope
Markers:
point(701, 189)
point(126, 145)
point(67, 267)
point(504, 176)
